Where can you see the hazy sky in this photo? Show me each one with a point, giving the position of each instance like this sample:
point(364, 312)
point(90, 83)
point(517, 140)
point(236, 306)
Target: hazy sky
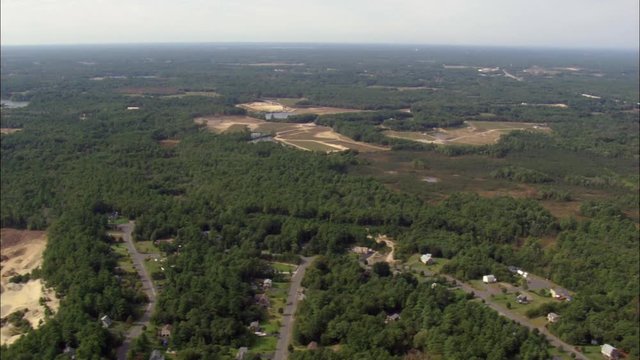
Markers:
point(555, 23)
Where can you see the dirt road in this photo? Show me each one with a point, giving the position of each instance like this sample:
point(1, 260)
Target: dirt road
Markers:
point(288, 319)
point(486, 296)
point(147, 287)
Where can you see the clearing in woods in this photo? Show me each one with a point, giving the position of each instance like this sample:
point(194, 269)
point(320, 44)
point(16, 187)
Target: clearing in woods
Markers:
point(21, 254)
point(307, 136)
point(8, 131)
point(271, 106)
point(475, 133)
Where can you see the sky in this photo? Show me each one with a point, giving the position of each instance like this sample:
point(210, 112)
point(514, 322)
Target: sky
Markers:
point(539, 23)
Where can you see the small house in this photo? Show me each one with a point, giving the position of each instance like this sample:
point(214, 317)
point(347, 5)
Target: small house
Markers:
point(156, 355)
point(392, 318)
point(522, 273)
point(609, 352)
point(489, 279)
point(362, 250)
point(522, 299)
point(254, 326)
point(106, 321)
point(553, 317)
point(312, 345)
point(426, 259)
point(560, 294)
point(242, 353)
point(165, 331)
point(267, 283)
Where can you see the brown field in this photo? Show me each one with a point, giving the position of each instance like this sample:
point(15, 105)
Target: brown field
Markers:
point(270, 106)
point(402, 88)
point(21, 253)
point(475, 133)
point(8, 131)
point(308, 136)
point(192, 93)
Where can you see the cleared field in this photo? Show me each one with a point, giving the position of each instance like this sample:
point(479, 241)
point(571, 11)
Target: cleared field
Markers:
point(158, 90)
point(273, 106)
point(308, 136)
point(475, 133)
point(8, 131)
point(192, 93)
point(21, 254)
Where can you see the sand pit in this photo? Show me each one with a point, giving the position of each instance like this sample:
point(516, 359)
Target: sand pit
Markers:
point(306, 136)
point(22, 253)
point(272, 106)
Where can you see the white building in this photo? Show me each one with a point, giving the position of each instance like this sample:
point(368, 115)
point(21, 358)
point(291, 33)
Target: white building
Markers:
point(426, 259)
point(609, 352)
point(553, 317)
point(489, 279)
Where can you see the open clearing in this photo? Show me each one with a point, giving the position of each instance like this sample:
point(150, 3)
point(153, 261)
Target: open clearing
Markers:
point(22, 253)
point(8, 131)
point(271, 106)
point(475, 133)
point(307, 136)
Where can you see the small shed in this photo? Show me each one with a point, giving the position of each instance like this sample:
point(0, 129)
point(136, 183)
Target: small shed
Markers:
point(489, 279)
point(553, 317)
point(609, 352)
point(106, 321)
point(426, 259)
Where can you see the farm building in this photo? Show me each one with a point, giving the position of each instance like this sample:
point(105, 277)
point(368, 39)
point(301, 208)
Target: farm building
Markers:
point(553, 317)
point(609, 352)
point(489, 279)
point(426, 259)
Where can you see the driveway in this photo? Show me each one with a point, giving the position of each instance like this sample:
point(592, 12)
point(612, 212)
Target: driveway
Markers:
point(288, 319)
point(147, 286)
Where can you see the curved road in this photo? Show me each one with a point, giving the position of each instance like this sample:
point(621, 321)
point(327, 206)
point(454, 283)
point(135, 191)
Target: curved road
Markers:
point(147, 287)
point(288, 317)
point(486, 296)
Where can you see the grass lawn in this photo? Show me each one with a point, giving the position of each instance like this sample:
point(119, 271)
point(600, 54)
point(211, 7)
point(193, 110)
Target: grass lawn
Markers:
point(536, 300)
point(278, 297)
point(146, 247)
point(124, 261)
point(435, 268)
point(283, 267)
point(592, 352)
point(265, 344)
point(477, 284)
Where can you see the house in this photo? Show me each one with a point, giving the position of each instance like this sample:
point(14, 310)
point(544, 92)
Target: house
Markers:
point(522, 299)
point(362, 250)
point(133, 108)
point(254, 326)
point(391, 318)
point(560, 294)
point(553, 317)
point(267, 283)
point(165, 331)
point(312, 345)
point(106, 321)
point(609, 352)
point(489, 279)
point(522, 273)
point(262, 300)
point(156, 355)
point(426, 259)
point(242, 353)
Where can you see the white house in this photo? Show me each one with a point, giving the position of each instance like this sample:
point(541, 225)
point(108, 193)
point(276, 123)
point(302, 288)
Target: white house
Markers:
point(106, 321)
point(553, 317)
point(522, 273)
point(489, 279)
point(267, 283)
point(426, 259)
point(609, 351)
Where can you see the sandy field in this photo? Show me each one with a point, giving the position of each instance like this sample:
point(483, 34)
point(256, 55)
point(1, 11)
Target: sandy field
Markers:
point(307, 136)
point(270, 106)
point(8, 131)
point(21, 253)
point(475, 133)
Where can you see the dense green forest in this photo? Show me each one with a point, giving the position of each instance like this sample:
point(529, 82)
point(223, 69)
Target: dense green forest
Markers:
point(80, 155)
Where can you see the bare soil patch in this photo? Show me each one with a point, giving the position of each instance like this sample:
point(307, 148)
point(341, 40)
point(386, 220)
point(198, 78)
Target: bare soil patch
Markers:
point(169, 143)
point(272, 106)
point(8, 131)
point(21, 254)
point(307, 136)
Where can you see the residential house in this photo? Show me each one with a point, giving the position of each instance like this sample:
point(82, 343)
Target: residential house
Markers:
point(560, 294)
point(242, 353)
point(609, 352)
point(165, 331)
point(267, 283)
point(254, 326)
point(426, 259)
point(156, 355)
point(522, 299)
point(489, 279)
point(391, 318)
point(522, 273)
point(553, 317)
point(106, 321)
point(362, 250)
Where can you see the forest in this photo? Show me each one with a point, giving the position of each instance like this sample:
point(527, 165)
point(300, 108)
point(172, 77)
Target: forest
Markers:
point(229, 204)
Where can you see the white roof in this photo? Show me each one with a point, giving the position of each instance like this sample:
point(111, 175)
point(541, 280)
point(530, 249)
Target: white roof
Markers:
point(607, 349)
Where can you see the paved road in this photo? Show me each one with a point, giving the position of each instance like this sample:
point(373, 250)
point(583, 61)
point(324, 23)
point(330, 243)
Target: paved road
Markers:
point(147, 287)
point(288, 319)
point(486, 296)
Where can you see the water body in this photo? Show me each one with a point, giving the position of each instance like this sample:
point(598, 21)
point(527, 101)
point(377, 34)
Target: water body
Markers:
point(276, 115)
point(9, 104)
